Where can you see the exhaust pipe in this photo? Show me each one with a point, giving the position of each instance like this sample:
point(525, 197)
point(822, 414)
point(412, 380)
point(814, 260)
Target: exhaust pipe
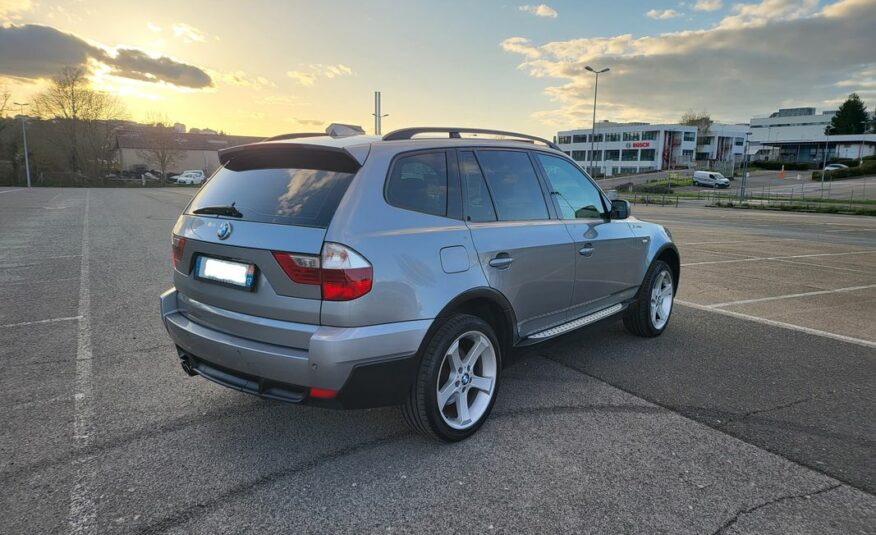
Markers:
point(187, 367)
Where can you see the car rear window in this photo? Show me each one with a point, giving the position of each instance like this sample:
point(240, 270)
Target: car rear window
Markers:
point(304, 197)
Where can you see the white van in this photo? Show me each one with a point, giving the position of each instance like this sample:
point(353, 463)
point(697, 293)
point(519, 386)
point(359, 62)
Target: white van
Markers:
point(710, 179)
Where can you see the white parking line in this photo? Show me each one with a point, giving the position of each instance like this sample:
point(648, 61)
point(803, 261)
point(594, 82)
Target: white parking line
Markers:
point(773, 323)
point(11, 190)
point(791, 296)
point(40, 322)
point(83, 509)
point(759, 258)
point(736, 241)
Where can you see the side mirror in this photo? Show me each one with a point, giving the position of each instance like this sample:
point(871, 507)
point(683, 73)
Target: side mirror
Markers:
point(612, 194)
point(620, 209)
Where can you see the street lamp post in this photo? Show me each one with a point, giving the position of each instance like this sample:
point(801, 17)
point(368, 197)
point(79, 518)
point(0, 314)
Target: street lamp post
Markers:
point(593, 129)
point(745, 166)
point(21, 106)
point(824, 159)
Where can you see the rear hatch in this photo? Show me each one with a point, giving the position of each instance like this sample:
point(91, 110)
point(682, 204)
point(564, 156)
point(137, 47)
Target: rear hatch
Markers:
point(267, 198)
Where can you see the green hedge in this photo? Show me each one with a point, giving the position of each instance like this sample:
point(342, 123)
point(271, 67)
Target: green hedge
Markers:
point(649, 188)
point(777, 166)
point(867, 169)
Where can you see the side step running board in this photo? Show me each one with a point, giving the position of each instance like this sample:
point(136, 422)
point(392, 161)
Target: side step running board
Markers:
point(577, 323)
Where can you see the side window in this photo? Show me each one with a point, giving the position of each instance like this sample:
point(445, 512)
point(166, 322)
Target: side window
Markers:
point(514, 185)
point(577, 197)
point(419, 182)
point(479, 206)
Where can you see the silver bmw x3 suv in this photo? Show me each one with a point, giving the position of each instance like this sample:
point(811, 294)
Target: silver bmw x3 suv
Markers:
point(357, 271)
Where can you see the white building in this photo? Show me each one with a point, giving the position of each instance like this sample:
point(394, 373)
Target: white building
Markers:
point(722, 143)
point(623, 148)
point(798, 135)
point(191, 151)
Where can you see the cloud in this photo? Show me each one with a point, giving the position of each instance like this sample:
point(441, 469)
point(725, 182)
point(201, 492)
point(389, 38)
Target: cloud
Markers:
point(154, 28)
point(310, 122)
point(541, 10)
point(189, 34)
point(318, 70)
point(243, 79)
point(743, 66)
point(12, 9)
point(33, 51)
point(708, 5)
point(662, 14)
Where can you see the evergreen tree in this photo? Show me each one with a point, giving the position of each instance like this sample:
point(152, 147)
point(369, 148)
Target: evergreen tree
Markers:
point(850, 118)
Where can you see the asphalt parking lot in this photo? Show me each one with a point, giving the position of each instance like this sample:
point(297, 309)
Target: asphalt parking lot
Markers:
point(753, 413)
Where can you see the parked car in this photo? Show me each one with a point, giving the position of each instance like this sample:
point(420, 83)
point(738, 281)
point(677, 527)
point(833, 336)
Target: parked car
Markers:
point(366, 271)
point(835, 167)
point(191, 177)
point(710, 179)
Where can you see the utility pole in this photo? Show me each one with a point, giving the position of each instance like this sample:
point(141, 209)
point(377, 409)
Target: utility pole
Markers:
point(24, 135)
point(744, 167)
point(376, 114)
point(593, 128)
point(824, 160)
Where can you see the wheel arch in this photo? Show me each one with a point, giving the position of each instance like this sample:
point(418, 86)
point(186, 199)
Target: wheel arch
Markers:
point(486, 303)
point(669, 254)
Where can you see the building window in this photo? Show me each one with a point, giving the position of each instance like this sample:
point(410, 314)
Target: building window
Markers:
point(628, 170)
point(579, 138)
point(702, 156)
point(651, 135)
point(648, 155)
point(565, 140)
point(597, 138)
point(612, 155)
point(687, 153)
point(632, 136)
point(567, 153)
point(597, 155)
point(690, 136)
point(706, 140)
point(630, 155)
point(579, 155)
point(613, 137)
point(739, 141)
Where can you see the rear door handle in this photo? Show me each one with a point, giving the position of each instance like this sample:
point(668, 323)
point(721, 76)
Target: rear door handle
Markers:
point(587, 250)
point(501, 262)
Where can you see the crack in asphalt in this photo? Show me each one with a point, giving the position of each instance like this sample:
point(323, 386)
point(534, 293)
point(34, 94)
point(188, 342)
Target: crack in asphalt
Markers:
point(194, 511)
point(748, 414)
point(787, 497)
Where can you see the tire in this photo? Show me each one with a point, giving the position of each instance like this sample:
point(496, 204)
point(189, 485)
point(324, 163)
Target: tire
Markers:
point(649, 316)
point(439, 379)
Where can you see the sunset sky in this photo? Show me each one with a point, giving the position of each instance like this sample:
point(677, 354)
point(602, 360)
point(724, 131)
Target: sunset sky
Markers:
point(264, 68)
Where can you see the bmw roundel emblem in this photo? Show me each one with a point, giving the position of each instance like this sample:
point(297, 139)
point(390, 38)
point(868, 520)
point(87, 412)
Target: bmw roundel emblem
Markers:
point(224, 230)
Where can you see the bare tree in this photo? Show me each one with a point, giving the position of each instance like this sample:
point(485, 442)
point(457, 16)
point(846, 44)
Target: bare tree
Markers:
point(5, 101)
point(701, 119)
point(161, 146)
point(86, 119)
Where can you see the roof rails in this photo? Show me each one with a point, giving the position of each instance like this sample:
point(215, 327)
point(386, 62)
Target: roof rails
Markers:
point(454, 133)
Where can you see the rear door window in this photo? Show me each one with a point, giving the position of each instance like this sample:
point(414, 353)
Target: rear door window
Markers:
point(305, 197)
point(419, 182)
point(514, 186)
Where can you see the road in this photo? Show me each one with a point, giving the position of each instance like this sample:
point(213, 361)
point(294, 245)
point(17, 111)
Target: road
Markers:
point(751, 414)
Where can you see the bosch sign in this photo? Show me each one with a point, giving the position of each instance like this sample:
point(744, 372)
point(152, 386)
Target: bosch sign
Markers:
point(639, 145)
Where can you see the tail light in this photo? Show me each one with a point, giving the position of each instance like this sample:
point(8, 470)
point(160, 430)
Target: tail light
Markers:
point(178, 245)
point(342, 273)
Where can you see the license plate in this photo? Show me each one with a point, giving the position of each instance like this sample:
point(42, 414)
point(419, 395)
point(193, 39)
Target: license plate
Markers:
point(237, 274)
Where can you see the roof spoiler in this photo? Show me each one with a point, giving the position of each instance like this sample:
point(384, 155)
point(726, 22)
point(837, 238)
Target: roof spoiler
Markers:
point(288, 156)
point(454, 133)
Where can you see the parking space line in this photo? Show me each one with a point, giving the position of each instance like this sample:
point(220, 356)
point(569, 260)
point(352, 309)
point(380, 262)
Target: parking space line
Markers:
point(735, 241)
point(759, 258)
point(822, 266)
point(774, 323)
point(791, 296)
point(40, 322)
point(11, 190)
point(83, 509)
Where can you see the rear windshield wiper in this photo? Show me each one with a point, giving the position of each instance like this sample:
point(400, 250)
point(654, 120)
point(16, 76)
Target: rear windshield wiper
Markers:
point(229, 211)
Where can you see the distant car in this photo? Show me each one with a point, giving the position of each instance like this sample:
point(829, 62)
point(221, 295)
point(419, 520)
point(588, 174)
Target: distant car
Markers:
point(835, 167)
point(148, 175)
point(191, 177)
point(710, 179)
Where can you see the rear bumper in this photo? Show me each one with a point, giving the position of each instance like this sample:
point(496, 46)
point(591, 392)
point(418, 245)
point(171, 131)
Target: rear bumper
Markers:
point(368, 366)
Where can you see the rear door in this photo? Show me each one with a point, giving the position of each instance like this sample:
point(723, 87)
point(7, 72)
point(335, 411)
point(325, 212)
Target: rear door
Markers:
point(607, 255)
point(525, 254)
point(265, 200)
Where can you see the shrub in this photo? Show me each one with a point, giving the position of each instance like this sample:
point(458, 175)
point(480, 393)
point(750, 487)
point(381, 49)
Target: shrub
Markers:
point(868, 168)
point(777, 166)
point(648, 188)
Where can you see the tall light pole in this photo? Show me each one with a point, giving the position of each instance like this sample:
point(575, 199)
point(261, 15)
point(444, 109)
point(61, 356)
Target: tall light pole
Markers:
point(826, 148)
point(745, 166)
point(21, 106)
point(593, 129)
point(376, 114)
